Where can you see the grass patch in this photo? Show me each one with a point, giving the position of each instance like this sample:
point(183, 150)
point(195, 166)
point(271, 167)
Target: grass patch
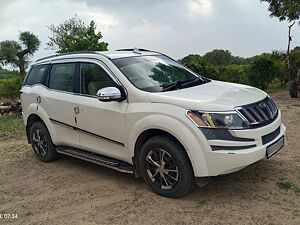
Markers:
point(297, 105)
point(2, 99)
point(284, 185)
point(11, 124)
point(273, 90)
point(288, 186)
point(201, 203)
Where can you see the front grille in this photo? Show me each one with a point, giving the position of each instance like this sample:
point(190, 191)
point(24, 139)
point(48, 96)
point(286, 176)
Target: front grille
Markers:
point(271, 136)
point(259, 113)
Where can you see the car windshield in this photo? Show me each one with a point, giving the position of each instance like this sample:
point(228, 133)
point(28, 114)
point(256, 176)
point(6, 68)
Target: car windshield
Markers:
point(157, 73)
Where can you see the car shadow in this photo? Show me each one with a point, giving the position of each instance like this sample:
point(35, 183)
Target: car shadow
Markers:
point(236, 185)
point(248, 183)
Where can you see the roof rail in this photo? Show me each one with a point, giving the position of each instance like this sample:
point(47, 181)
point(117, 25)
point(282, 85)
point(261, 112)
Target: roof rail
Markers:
point(139, 49)
point(70, 53)
point(132, 49)
point(143, 50)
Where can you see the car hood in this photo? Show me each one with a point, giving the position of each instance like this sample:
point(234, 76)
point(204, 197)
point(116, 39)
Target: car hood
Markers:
point(212, 96)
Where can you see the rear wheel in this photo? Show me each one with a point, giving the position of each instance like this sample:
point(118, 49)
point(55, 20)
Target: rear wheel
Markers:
point(165, 167)
point(293, 89)
point(41, 142)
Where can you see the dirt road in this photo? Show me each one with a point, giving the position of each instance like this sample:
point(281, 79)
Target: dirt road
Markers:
point(70, 191)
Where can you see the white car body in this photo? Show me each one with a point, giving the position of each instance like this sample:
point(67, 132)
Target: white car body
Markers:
point(113, 128)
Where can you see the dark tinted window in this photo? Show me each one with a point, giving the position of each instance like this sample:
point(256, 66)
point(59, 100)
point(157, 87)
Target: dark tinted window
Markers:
point(93, 78)
point(36, 75)
point(62, 76)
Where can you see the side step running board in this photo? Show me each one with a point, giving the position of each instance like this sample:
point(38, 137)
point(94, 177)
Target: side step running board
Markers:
point(97, 159)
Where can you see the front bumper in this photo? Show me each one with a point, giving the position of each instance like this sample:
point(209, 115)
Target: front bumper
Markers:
point(226, 160)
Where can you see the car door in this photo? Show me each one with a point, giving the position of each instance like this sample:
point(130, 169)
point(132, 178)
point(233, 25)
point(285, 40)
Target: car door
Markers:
point(59, 102)
point(101, 125)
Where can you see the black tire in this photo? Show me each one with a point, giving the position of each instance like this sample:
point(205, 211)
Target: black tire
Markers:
point(293, 87)
point(171, 184)
point(41, 142)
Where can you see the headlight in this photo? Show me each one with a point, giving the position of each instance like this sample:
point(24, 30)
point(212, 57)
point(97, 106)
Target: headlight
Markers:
point(229, 120)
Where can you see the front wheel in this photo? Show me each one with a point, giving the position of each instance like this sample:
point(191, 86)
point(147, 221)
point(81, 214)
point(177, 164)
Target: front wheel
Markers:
point(41, 142)
point(166, 167)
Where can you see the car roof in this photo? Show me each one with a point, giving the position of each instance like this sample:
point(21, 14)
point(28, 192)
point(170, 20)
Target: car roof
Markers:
point(120, 53)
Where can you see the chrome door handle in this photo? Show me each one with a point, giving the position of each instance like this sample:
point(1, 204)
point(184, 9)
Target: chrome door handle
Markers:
point(76, 109)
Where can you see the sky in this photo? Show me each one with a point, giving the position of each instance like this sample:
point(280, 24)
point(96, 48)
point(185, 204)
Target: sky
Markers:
point(174, 27)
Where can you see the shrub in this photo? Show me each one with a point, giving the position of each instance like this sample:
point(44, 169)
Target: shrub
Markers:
point(5, 74)
point(234, 73)
point(10, 88)
point(261, 72)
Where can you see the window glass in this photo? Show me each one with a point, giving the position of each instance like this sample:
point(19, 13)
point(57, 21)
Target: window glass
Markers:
point(152, 73)
point(93, 78)
point(36, 75)
point(62, 76)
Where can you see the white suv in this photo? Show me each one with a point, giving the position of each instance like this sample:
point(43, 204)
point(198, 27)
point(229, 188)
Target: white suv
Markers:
point(141, 112)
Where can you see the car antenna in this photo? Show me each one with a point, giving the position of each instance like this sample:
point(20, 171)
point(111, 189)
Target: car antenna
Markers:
point(136, 51)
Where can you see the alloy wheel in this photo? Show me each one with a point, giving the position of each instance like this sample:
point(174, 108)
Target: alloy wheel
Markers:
point(39, 142)
point(162, 169)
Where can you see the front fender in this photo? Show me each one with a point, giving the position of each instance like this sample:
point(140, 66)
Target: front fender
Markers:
point(180, 129)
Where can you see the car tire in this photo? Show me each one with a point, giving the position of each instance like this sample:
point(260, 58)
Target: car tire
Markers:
point(293, 89)
point(41, 142)
point(166, 167)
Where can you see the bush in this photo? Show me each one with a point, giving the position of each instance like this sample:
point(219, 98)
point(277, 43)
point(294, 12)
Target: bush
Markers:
point(5, 74)
point(261, 72)
point(234, 74)
point(10, 88)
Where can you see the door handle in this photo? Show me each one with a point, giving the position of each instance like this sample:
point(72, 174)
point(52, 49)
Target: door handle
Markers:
point(38, 99)
point(76, 109)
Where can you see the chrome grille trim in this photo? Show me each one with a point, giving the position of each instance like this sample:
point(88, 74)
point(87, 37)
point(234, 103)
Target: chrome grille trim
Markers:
point(258, 113)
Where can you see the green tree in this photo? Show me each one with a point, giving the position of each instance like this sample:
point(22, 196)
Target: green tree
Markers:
point(191, 59)
point(237, 60)
point(295, 63)
point(17, 53)
point(284, 9)
point(234, 73)
point(296, 49)
point(218, 57)
point(75, 35)
point(261, 72)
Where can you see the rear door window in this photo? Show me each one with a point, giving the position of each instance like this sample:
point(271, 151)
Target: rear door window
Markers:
point(62, 77)
point(36, 75)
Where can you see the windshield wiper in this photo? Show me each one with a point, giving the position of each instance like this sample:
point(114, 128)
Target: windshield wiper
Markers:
point(172, 86)
point(192, 82)
point(183, 84)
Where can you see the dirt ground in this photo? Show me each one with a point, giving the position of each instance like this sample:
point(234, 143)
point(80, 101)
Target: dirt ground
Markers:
point(71, 191)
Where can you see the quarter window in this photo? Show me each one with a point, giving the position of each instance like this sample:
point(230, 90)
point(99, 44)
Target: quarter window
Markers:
point(36, 75)
point(93, 78)
point(62, 77)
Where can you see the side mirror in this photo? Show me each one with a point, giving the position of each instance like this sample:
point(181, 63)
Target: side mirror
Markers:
point(109, 94)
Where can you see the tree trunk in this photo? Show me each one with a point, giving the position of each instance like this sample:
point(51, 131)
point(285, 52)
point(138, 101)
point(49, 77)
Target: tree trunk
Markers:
point(288, 52)
point(22, 70)
point(21, 64)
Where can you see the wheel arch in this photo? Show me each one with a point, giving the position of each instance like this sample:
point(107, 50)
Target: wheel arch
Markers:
point(146, 135)
point(35, 117)
point(30, 121)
